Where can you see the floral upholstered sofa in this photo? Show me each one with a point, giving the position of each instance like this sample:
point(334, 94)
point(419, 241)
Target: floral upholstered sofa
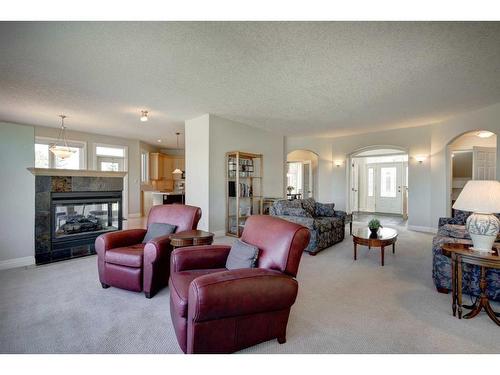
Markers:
point(452, 230)
point(327, 225)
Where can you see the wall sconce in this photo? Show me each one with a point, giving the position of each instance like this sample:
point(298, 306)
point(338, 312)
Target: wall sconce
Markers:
point(338, 163)
point(144, 116)
point(420, 158)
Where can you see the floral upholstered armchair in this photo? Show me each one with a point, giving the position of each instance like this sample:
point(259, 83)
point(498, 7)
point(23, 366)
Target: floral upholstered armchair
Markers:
point(452, 230)
point(327, 225)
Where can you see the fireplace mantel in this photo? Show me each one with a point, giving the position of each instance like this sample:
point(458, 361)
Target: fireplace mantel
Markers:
point(74, 172)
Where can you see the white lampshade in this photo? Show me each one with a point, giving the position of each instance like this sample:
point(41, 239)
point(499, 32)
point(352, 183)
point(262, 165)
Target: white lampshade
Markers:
point(61, 152)
point(480, 197)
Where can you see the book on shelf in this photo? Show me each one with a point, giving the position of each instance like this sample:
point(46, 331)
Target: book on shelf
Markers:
point(245, 189)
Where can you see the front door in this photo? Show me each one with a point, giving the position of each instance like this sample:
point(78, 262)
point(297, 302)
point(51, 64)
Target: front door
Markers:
point(354, 185)
point(388, 197)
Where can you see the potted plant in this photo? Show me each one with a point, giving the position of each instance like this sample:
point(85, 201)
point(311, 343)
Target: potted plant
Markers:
point(374, 225)
point(289, 189)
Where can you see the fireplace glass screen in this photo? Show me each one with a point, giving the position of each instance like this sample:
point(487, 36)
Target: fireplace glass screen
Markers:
point(73, 218)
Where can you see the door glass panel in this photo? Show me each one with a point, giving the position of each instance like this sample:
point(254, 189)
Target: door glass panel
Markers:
point(388, 182)
point(370, 182)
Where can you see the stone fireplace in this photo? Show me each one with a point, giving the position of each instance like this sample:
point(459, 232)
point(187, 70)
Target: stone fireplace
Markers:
point(72, 208)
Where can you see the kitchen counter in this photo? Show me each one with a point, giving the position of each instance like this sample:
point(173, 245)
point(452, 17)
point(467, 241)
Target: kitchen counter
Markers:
point(168, 192)
point(154, 197)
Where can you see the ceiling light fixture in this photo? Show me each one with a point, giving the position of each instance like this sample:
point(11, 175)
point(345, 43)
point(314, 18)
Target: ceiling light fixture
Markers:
point(144, 116)
point(484, 134)
point(61, 151)
point(420, 158)
point(177, 170)
point(159, 141)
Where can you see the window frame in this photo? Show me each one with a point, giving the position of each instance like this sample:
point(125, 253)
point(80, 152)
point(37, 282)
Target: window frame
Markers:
point(96, 156)
point(71, 143)
point(144, 167)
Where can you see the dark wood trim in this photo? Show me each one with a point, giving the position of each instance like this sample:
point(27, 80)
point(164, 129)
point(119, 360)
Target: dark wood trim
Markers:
point(191, 238)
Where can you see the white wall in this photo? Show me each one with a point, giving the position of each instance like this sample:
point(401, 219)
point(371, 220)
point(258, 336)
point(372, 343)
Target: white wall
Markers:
point(429, 182)
point(483, 119)
point(208, 138)
point(197, 166)
point(415, 140)
point(17, 196)
point(226, 135)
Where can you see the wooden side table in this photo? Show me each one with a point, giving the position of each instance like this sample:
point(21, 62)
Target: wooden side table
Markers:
point(460, 254)
point(191, 238)
point(385, 237)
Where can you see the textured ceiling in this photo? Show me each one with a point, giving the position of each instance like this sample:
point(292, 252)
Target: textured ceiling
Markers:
point(296, 78)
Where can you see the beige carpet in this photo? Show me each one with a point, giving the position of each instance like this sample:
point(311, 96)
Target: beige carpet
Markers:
point(343, 307)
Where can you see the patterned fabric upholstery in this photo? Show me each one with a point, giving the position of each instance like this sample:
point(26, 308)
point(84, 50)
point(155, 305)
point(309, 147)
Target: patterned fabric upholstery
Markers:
point(326, 229)
point(459, 218)
point(324, 209)
point(441, 264)
point(278, 206)
point(453, 230)
point(294, 211)
point(309, 205)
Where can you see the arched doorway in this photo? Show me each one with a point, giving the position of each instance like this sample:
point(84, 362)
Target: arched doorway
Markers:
point(301, 174)
point(378, 181)
point(471, 156)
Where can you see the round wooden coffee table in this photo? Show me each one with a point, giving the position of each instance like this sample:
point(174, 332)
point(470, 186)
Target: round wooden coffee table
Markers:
point(191, 238)
point(384, 237)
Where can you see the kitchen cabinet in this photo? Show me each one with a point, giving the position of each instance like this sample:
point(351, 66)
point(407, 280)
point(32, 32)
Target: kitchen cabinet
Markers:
point(168, 168)
point(161, 167)
point(156, 163)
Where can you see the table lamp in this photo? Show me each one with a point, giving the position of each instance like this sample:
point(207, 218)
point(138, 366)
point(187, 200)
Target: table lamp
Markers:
point(483, 199)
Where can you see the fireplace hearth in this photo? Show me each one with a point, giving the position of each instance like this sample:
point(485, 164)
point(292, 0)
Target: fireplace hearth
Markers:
point(72, 211)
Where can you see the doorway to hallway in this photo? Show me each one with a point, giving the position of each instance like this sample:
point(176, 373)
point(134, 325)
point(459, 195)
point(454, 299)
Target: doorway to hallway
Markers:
point(471, 156)
point(302, 174)
point(379, 182)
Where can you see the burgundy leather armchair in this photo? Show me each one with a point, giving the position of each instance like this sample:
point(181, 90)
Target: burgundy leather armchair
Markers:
point(215, 310)
point(125, 262)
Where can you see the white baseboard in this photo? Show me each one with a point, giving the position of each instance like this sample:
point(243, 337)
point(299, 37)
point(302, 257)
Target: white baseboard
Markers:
point(418, 228)
point(219, 233)
point(133, 216)
point(17, 262)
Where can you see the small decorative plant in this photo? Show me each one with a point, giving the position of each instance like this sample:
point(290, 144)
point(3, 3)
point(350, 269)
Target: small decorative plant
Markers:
point(289, 189)
point(374, 225)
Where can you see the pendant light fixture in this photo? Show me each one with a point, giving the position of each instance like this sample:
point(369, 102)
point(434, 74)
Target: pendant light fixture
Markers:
point(484, 134)
point(61, 148)
point(177, 170)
